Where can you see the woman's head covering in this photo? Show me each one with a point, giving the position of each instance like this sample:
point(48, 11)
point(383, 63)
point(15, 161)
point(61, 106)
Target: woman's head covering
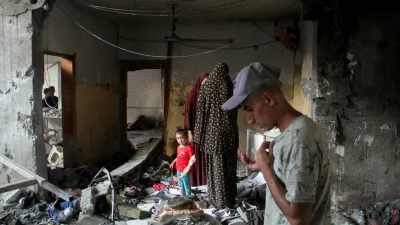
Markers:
point(191, 102)
point(212, 122)
point(220, 70)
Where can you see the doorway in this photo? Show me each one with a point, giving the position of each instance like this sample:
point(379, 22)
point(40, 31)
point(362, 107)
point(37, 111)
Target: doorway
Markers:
point(145, 96)
point(152, 103)
point(58, 102)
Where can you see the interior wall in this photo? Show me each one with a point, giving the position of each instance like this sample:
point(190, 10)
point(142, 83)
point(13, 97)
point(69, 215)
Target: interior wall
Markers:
point(357, 101)
point(186, 70)
point(21, 80)
point(97, 78)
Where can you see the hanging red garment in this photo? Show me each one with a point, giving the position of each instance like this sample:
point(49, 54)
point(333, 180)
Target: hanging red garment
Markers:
point(199, 168)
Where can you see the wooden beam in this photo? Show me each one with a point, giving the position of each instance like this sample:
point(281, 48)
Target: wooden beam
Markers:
point(30, 175)
point(10, 164)
point(17, 185)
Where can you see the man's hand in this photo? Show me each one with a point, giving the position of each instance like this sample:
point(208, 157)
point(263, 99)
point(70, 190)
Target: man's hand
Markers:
point(190, 136)
point(248, 161)
point(264, 159)
point(172, 165)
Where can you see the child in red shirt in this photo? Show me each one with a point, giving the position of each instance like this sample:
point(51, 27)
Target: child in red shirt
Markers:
point(184, 161)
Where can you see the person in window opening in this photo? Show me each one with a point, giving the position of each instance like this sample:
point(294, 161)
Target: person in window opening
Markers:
point(55, 98)
point(49, 101)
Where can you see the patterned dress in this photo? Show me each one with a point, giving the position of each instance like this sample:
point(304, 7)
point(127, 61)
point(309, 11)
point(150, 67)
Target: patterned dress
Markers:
point(216, 133)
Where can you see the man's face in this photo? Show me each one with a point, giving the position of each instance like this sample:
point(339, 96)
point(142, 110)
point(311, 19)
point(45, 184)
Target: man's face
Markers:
point(259, 110)
point(52, 91)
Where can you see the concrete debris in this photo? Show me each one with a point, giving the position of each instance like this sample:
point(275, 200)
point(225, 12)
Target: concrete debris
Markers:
point(52, 113)
point(91, 220)
point(12, 196)
point(88, 201)
point(146, 207)
point(5, 206)
point(130, 211)
point(102, 189)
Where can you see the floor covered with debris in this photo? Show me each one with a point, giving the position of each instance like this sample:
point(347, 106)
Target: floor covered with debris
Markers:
point(144, 189)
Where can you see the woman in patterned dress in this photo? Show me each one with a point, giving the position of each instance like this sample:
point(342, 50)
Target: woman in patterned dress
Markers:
point(216, 133)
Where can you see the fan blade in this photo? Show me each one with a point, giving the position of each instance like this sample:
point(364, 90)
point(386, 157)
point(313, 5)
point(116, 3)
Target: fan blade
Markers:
point(178, 39)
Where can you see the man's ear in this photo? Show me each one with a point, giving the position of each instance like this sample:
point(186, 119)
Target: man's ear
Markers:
point(269, 98)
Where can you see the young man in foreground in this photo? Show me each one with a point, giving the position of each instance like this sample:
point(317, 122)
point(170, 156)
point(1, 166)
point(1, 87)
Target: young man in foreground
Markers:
point(296, 167)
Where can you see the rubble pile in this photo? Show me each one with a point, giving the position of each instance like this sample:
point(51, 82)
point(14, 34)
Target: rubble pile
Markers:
point(150, 197)
point(142, 190)
point(381, 213)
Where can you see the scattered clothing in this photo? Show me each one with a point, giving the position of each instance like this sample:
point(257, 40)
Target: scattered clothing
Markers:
point(159, 187)
point(216, 133)
point(199, 168)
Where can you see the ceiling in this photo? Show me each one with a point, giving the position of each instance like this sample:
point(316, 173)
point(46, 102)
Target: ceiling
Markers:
point(134, 10)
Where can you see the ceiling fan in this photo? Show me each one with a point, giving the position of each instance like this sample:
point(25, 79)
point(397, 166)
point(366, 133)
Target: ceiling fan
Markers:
point(174, 38)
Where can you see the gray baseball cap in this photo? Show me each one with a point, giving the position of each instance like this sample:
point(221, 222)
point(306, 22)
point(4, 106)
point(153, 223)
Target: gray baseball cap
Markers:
point(251, 79)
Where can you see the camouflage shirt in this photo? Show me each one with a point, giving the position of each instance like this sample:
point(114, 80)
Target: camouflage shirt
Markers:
point(302, 166)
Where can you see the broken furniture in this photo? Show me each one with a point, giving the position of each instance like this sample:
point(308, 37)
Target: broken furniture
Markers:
point(32, 179)
point(151, 145)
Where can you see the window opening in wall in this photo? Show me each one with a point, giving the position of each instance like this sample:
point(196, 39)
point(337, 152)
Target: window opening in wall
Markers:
point(58, 104)
point(145, 98)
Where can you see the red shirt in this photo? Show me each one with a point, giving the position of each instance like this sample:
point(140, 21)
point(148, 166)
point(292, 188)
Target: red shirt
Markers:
point(183, 157)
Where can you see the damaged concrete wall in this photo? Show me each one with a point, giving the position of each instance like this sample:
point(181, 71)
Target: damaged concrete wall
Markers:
point(97, 78)
point(186, 70)
point(21, 79)
point(357, 100)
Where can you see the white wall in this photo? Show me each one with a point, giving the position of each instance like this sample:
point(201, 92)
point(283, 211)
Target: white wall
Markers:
point(144, 88)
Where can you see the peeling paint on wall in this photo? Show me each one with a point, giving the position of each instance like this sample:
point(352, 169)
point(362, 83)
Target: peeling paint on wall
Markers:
point(369, 140)
point(339, 150)
point(357, 140)
point(384, 127)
